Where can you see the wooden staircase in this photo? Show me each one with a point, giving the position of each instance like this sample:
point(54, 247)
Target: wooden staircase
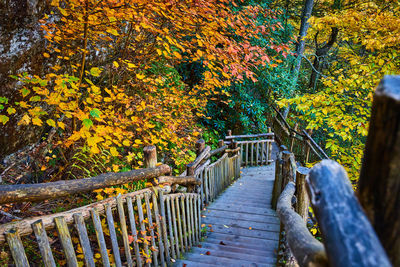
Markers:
point(242, 229)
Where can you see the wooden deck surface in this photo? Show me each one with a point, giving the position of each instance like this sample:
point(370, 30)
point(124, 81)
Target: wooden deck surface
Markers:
point(243, 230)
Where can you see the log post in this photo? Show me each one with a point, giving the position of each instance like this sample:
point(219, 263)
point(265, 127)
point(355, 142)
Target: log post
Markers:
point(278, 181)
point(292, 136)
point(200, 145)
point(287, 174)
point(301, 193)
point(349, 238)
point(150, 156)
point(306, 146)
point(269, 156)
point(221, 143)
point(229, 133)
point(379, 183)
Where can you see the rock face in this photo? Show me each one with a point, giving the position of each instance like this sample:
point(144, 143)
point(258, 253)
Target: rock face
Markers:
point(21, 49)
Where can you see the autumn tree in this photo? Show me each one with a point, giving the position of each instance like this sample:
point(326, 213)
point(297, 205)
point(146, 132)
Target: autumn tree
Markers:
point(113, 86)
point(366, 49)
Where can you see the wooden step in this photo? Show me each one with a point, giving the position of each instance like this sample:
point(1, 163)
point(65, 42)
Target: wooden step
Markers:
point(233, 248)
point(196, 256)
point(269, 218)
point(274, 227)
point(257, 259)
point(237, 231)
point(262, 248)
point(242, 209)
point(188, 263)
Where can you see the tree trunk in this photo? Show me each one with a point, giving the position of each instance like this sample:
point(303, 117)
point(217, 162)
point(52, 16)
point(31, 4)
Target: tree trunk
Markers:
point(320, 52)
point(306, 14)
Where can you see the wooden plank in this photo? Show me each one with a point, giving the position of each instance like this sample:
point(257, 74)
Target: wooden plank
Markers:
point(240, 257)
point(66, 242)
point(241, 246)
point(174, 223)
point(113, 236)
point(242, 209)
point(185, 262)
point(252, 153)
point(179, 219)
point(245, 232)
point(84, 239)
point(257, 147)
point(159, 229)
point(16, 248)
point(247, 154)
point(151, 228)
point(164, 225)
point(238, 216)
point(184, 227)
point(170, 228)
point(124, 230)
point(192, 227)
point(271, 227)
point(42, 191)
point(43, 243)
point(143, 232)
point(100, 237)
point(237, 248)
point(188, 224)
point(259, 242)
point(221, 261)
point(132, 222)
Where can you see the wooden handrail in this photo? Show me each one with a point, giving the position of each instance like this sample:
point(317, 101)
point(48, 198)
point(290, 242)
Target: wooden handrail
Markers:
point(348, 236)
point(42, 191)
point(24, 227)
point(315, 144)
point(307, 250)
point(248, 136)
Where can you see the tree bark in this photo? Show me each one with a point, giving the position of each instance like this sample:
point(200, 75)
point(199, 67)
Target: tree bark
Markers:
point(319, 53)
point(306, 14)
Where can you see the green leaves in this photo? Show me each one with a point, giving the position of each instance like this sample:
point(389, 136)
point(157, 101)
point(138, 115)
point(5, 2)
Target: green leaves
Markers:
point(95, 71)
point(95, 113)
point(87, 123)
point(4, 119)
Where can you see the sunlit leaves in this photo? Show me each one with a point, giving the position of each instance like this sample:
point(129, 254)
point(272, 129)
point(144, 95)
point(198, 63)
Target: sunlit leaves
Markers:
point(95, 71)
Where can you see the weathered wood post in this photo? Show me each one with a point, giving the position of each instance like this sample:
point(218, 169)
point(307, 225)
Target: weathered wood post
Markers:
point(200, 145)
point(306, 146)
point(287, 172)
point(379, 183)
point(348, 235)
point(150, 156)
point(269, 156)
point(293, 136)
point(301, 193)
point(229, 133)
point(221, 143)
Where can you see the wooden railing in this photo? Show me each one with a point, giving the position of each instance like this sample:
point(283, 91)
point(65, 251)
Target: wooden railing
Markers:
point(152, 226)
point(299, 141)
point(256, 149)
point(351, 235)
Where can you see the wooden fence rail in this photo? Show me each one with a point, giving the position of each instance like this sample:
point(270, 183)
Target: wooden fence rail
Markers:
point(158, 223)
